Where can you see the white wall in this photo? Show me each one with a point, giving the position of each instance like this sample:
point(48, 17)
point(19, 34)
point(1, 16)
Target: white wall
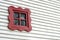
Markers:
point(45, 22)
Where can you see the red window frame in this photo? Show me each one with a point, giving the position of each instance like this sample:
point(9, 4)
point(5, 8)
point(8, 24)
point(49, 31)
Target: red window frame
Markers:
point(11, 25)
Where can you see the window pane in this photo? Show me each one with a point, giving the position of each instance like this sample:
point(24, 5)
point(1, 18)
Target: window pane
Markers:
point(16, 22)
point(16, 15)
point(23, 16)
point(23, 23)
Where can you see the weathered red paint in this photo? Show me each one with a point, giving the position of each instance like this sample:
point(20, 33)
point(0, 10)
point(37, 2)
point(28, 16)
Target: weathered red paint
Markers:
point(11, 25)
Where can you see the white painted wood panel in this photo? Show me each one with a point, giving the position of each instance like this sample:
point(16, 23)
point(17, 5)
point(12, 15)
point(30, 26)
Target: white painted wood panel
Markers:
point(45, 21)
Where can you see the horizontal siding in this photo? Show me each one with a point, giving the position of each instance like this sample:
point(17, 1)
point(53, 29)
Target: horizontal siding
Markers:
point(45, 21)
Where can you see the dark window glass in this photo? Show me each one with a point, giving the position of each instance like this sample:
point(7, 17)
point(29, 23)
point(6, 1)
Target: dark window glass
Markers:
point(19, 21)
point(16, 22)
point(16, 15)
point(23, 23)
point(23, 16)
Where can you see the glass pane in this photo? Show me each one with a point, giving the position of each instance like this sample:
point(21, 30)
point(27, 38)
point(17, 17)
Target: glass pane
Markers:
point(16, 15)
point(23, 23)
point(23, 16)
point(16, 22)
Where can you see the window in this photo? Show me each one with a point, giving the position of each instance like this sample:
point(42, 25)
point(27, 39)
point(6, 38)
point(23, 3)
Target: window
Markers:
point(19, 19)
